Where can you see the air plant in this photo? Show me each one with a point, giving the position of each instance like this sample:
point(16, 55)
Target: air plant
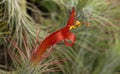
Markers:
point(35, 62)
point(96, 50)
point(52, 39)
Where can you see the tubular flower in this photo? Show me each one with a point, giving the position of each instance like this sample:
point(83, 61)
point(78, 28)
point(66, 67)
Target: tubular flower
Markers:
point(56, 37)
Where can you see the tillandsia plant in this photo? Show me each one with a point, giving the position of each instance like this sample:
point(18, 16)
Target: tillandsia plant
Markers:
point(37, 56)
point(17, 25)
point(96, 50)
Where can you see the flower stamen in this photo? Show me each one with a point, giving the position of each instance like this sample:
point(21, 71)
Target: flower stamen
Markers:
point(77, 24)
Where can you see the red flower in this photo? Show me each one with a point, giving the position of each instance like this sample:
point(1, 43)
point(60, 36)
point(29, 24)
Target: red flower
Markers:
point(56, 37)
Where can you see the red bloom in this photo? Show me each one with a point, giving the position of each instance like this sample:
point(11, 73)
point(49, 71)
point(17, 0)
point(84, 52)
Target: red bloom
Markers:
point(58, 36)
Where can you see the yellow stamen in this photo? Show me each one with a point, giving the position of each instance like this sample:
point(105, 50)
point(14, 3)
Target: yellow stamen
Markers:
point(71, 27)
point(77, 24)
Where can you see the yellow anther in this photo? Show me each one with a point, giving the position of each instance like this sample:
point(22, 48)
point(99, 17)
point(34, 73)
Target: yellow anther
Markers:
point(77, 24)
point(72, 26)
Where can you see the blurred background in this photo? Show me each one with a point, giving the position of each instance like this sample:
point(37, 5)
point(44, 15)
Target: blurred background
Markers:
point(25, 23)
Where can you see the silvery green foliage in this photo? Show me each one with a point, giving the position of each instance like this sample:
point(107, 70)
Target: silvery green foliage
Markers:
point(96, 50)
